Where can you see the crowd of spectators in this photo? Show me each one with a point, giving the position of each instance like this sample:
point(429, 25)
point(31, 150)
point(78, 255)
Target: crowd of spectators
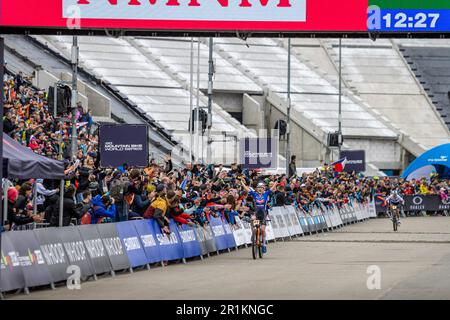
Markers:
point(190, 194)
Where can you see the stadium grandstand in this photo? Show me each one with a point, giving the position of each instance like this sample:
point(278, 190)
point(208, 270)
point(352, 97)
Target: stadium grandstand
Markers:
point(145, 79)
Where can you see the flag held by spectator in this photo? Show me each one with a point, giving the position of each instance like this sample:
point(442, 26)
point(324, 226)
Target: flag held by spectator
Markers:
point(339, 165)
point(184, 184)
point(81, 124)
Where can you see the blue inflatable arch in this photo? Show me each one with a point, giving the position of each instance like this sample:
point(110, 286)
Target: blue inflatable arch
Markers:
point(436, 160)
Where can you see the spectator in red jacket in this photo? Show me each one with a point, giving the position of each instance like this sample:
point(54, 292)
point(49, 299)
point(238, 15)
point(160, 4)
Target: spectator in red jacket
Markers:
point(175, 211)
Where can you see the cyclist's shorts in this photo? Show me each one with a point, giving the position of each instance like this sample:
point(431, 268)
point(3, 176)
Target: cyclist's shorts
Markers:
point(261, 215)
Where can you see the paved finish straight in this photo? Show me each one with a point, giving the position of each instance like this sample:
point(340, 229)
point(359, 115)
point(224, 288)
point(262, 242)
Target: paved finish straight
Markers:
point(414, 264)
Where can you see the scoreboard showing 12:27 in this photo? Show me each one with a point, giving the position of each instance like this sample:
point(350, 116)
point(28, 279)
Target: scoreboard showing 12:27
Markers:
point(409, 15)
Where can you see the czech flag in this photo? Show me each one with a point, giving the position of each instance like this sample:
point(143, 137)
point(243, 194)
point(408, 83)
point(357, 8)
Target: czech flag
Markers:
point(339, 165)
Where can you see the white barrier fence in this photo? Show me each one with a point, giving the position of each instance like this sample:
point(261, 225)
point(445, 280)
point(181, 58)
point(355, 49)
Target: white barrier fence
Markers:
point(288, 221)
point(285, 222)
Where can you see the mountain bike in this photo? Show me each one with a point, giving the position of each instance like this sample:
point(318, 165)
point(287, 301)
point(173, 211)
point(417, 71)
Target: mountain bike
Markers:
point(257, 239)
point(394, 212)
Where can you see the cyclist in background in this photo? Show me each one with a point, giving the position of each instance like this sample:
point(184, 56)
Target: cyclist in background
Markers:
point(395, 199)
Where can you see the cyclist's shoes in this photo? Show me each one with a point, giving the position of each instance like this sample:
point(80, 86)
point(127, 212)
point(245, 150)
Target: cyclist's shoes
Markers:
point(264, 249)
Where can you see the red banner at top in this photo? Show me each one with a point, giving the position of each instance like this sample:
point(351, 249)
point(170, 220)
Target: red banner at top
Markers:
point(188, 15)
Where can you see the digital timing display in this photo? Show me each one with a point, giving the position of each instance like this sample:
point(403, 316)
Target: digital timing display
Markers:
point(409, 15)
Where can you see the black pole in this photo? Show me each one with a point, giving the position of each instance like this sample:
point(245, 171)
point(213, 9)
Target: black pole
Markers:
point(288, 120)
point(2, 64)
point(210, 94)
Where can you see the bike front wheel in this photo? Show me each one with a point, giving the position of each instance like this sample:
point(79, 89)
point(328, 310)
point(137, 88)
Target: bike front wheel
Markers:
point(255, 246)
point(260, 250)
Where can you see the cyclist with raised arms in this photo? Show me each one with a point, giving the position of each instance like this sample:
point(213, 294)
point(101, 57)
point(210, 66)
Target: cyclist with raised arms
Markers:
point(261, 198)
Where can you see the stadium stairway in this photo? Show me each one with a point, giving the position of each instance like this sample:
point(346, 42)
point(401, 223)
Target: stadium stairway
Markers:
point(430, 62)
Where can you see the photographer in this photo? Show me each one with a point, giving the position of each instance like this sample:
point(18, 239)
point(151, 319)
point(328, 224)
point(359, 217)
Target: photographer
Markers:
point(103, 209)
point(70, 209)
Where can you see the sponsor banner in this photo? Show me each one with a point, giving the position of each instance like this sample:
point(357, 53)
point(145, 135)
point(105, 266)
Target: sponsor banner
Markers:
point(187, 15)
point(216, 10)
point(170, 246)
point(219, 233)
point(338, 217)
point(274, 223)
point(311, 224)
point(317, 223)
point(419, 203)
point(359, 210)
point(144, 228)
point(11, 275)
point(354, 218)
point(229, 235)
point(344, 214)
point(75, 250)
point(270, 235)
point(131, 243)
point(239, 232)
point(323, 223)
point(304, 223)
point(295, 222)
point(328, 219)
point(201, 238)
point(113, 245)
point(95, 248)
point(248, 232)
point(191, 245)
point(29, 255)
point(210, 239)
point(278, 216)
point(287, 218)
point(356, 160)
point(124, 143)
point(53, 251)
point(258, 153)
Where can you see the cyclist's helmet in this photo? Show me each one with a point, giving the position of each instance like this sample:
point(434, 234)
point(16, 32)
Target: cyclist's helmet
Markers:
point(261, 185)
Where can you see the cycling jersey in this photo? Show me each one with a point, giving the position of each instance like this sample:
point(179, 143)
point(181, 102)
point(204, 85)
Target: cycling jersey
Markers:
point(261, 200)
point(391, 199)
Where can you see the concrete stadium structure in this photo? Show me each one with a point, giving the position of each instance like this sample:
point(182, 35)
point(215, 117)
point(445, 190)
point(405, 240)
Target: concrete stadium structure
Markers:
point(388, 110)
